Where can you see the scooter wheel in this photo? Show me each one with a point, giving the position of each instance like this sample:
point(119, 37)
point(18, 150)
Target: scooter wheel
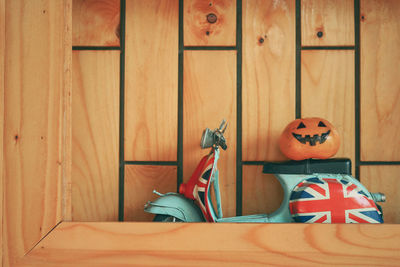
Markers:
point(165, 218)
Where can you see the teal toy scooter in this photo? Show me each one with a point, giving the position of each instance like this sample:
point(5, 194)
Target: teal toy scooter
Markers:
point(315, 191)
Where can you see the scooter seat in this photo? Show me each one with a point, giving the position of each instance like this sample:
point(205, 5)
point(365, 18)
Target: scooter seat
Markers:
point(309, 166)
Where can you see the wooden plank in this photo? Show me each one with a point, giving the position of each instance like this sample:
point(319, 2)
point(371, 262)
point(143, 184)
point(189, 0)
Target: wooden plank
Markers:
point(2, 84)
point(151, 80)
point(384, 179)
point(96, 22)
point(333, 18)
point(140, 181)
point(268, 76)
point(67, 109)
point(209, 95)
point(262, 193)
point(33, 91)
point(327, 82)
point(380, 81)
point(116, 244)
point(209, 23)
point(95, 135)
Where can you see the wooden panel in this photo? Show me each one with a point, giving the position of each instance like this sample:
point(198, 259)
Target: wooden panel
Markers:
point(151, 80)
point(140, 181)
point(33, 90)
point(210, 22)
point(95, 135)
point(334, 18)
point(111, 244)
point(209, 95)
point(262, 193)
point(268, 76)
point(327, 82)
point(380, 80)
point(96, 22)
point(384, 179)
point(67, 109)
point(2, 55)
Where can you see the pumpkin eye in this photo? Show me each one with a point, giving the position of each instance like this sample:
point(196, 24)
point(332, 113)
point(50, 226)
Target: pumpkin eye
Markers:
point(321, 124)
point(301, 125)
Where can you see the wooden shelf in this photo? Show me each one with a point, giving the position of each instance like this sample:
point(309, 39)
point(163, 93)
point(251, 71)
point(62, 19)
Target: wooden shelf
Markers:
point(36, 142)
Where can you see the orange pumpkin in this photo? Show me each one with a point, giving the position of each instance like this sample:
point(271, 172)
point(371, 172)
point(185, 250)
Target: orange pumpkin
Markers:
point(309, 138)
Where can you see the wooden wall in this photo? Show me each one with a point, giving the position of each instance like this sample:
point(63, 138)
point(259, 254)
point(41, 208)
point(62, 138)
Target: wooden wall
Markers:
point(33, 34)
point(2, 65)
point(156, 76)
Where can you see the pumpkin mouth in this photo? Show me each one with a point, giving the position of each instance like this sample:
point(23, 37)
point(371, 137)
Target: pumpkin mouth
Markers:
point(312, 140)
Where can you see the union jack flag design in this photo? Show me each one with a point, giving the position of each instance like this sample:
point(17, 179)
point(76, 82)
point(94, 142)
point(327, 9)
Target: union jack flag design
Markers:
point(331, 200)
point(201, 188)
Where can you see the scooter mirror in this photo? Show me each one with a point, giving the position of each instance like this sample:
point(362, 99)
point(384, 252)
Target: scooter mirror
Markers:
point(207, 139)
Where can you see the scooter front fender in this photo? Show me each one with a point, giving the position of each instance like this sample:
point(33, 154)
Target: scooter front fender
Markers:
point(176, 205)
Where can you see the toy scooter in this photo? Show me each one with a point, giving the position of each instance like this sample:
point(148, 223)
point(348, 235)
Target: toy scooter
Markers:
point(315, 191)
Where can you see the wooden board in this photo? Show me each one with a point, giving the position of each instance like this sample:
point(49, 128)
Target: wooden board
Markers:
point(33, 91)
point(268, 91)
point(380, 81)
point(140, 181)
point(171, 244)
point(262, 193)
point(210, 22)
point(95, 135)
point(67, 109)
point(209, 95)
point(384, 179)
point(327, 91)
point(96, 22)
point(151, 80)
point(2, 55)
point(334, 18)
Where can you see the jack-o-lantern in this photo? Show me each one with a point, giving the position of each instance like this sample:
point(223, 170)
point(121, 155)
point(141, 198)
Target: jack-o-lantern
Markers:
point(309, 138)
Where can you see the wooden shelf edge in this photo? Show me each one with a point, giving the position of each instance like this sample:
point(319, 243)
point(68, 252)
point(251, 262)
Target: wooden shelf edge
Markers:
point(116, 243)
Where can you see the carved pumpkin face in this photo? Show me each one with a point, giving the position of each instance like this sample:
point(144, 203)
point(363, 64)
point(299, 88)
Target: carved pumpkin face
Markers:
point(309, 138)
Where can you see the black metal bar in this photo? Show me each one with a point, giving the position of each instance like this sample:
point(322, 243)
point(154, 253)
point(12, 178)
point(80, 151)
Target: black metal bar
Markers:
point(209, 48)
point(180, 99)
point(357, 87)
point(298, 59)
point(351, 47)
point(239, 167)
point(366, 163)
point(96, 48)
point(121, 187)
point(253, 163)
point(153, 163)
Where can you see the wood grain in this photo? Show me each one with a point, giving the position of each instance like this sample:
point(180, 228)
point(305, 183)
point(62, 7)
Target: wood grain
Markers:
point(33, 91)
point(198, 31)
point(268, 76)
point(167, 244)
point(151, 80)
point(327, 91)
point(209, 95)
point(2, 84)
point(67, 110)
point(96, 22)
point(140, 181)
point(380, 81)
point(95, 135)
point(384, 179)
point(334, 18)
point(262, 193)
